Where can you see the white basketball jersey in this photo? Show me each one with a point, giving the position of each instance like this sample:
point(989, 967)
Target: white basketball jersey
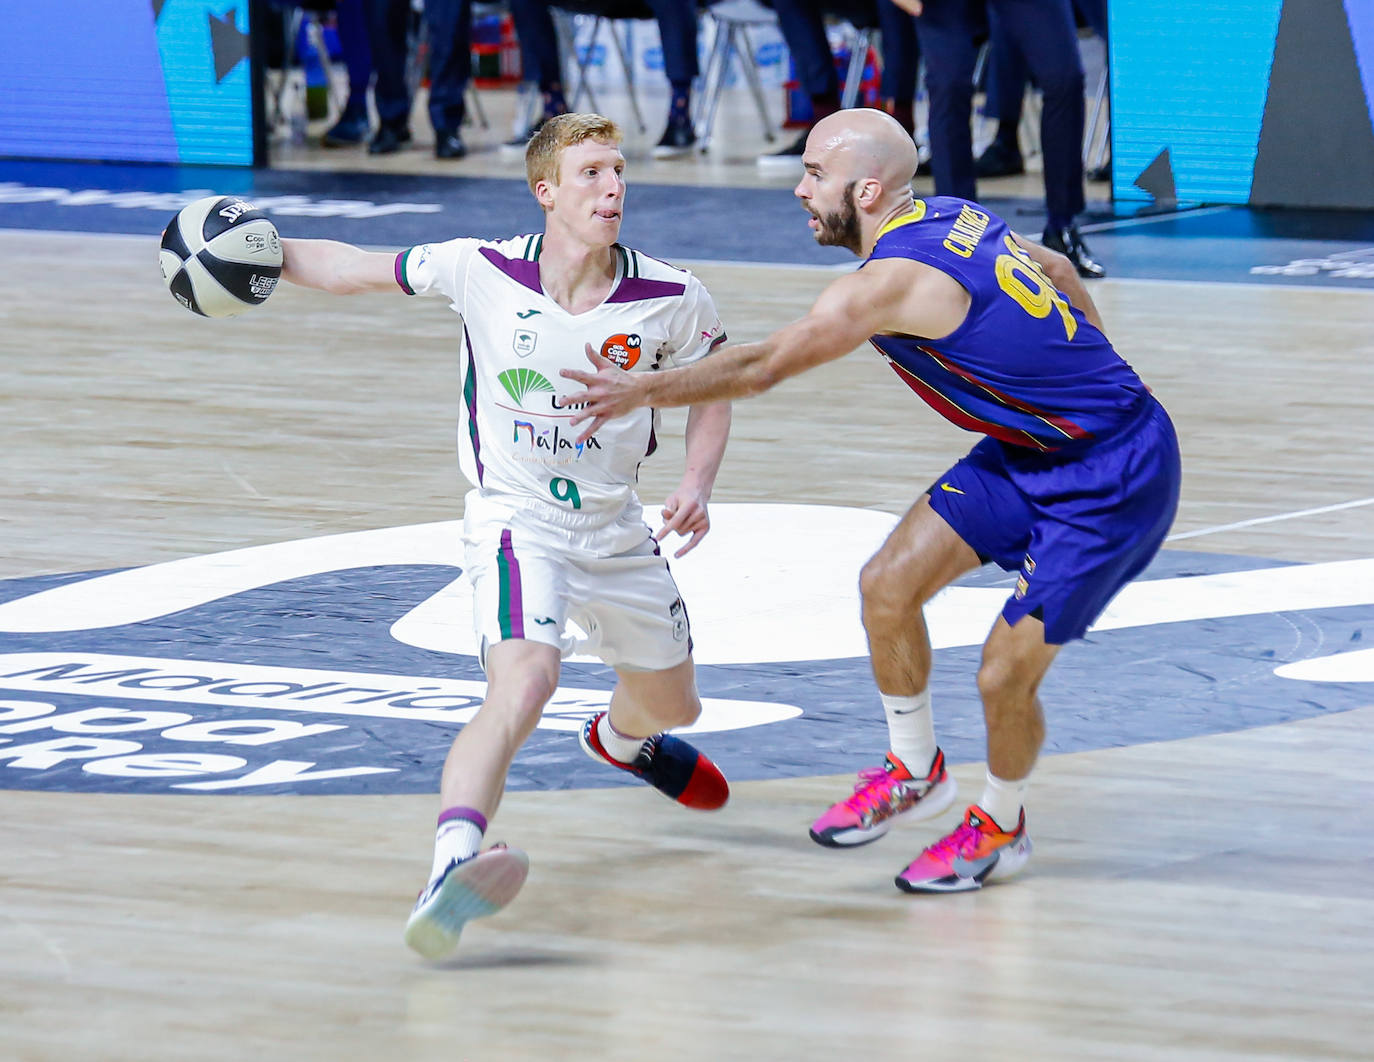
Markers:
point(515, 441)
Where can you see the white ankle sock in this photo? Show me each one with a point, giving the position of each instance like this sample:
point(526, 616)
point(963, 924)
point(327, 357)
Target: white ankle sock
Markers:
point(1004, 800)
point(457, 838)
point(622, 747)
point(911, 730)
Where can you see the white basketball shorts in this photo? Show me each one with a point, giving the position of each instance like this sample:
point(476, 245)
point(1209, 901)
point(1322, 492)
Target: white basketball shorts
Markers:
point(540, 582)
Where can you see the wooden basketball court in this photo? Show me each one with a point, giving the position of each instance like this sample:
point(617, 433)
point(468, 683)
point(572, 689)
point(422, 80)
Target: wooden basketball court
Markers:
point(1203, 898)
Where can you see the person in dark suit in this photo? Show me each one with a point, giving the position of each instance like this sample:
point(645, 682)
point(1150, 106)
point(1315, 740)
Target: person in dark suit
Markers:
point(352, 124)
point(901, 61)
point(802, 24)
point(448, 25)
point(1047, 37)
point(1006, 91)
point(677, 30)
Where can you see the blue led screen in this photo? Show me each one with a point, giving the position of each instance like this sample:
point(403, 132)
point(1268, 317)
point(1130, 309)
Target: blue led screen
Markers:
point(1268, 102)
point(126, 80)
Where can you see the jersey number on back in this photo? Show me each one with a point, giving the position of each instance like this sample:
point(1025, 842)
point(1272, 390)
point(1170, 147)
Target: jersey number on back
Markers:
point(1021, 278)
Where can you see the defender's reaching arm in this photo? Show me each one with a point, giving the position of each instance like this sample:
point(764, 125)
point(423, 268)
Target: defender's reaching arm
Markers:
point(885, 296)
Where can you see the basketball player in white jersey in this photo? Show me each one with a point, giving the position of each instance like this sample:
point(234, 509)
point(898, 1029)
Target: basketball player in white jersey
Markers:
point(553, 530)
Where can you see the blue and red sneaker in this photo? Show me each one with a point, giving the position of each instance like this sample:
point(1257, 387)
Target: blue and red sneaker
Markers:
point(673, 767)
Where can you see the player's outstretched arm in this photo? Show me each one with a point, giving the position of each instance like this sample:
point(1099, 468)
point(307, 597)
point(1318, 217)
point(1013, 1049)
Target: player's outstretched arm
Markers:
point(684, 513)
point(846, 314)
point(338, 268)
point(1065, 277)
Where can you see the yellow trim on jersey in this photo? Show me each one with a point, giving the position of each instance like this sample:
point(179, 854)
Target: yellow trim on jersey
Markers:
point(918, 211)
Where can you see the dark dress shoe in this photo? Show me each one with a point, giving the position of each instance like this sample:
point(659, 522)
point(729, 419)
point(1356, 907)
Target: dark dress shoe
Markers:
point(449, 145)
point(519, 143)
point(388, 139)
point(999, 160)
point(1068, 241)
point(348, 130)
point(679, 138)
point(790, 156)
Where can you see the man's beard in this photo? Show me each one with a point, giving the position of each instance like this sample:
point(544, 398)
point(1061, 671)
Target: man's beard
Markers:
point(841, 228)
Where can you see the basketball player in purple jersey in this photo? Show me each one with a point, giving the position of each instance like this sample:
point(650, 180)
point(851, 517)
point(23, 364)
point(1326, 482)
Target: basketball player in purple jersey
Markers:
point(1075, 483)
point(553, 530)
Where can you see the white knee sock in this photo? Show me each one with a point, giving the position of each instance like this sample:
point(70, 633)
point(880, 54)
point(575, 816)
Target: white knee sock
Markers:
point(459, 836)
point(622, 747)
point(911, 730)
point(1004, 800)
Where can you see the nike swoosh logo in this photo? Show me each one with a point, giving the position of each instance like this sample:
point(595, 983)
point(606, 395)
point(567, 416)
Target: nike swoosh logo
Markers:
point(972, 868)
point(952, 490)
point(528, 314)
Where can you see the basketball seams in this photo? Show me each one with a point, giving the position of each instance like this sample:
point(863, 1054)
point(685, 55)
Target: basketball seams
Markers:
point(220, 256)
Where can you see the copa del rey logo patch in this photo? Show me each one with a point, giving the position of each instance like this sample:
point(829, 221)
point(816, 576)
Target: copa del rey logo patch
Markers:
point(346, 664)
point(622, 350)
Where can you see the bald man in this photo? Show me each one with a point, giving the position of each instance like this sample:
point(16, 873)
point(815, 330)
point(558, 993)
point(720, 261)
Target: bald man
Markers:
point(1074, 484)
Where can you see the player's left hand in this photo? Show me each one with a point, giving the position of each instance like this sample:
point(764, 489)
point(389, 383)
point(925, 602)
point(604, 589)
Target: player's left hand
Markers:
point(610, 392)
point(684, 513)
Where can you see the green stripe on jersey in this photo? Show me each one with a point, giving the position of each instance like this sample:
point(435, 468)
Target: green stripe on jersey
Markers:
point(503, 616)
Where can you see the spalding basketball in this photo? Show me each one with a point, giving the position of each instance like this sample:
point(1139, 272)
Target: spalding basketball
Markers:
point(220, 256)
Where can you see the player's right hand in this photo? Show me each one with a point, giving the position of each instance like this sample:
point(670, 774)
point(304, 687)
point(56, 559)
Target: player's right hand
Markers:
point(684, 513)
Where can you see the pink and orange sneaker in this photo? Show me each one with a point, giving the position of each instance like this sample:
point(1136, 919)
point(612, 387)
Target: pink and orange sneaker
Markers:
point(977, 851)
point(881, 794)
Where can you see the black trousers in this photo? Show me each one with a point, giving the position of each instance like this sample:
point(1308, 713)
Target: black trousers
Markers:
point(448, 24)
point(677, 29)
point(1047, 37)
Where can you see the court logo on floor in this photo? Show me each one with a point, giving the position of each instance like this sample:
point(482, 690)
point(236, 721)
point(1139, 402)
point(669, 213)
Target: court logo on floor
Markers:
point(346, 664)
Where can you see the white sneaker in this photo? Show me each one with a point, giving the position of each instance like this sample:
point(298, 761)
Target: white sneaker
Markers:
point(478, 886)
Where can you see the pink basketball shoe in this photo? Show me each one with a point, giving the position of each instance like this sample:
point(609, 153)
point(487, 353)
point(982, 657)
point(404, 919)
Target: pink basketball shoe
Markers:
point(976, 851)
point(883, 793)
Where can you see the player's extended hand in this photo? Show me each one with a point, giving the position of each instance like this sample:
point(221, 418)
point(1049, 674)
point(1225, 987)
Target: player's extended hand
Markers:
point(684, 513)
point(911, 7)
point(610, 392)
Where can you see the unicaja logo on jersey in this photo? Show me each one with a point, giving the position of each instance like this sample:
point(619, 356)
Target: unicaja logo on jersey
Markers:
point(521, 382)
point(622, 350)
